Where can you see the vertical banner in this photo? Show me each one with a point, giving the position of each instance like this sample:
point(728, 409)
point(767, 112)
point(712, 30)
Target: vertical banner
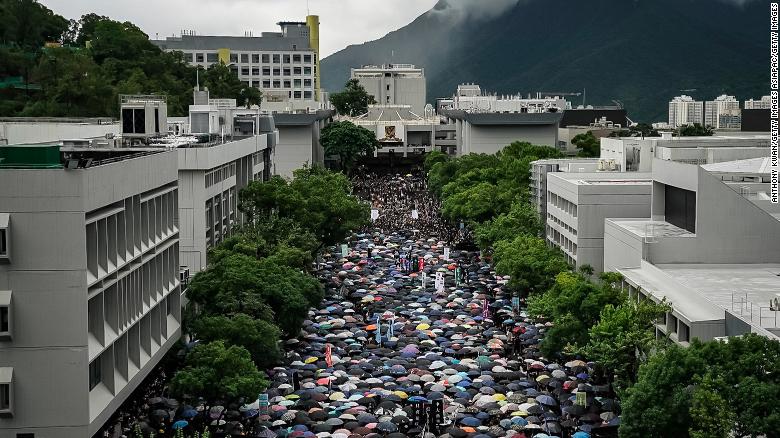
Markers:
point(516, 303)
point(415, 214)
point(774, 93)
point(262, 401)
point(328, 355)
point(344, 250)
point(374, 214)
point(379, 330)
point(581, 399)
point(424, 279)
point(447, 253)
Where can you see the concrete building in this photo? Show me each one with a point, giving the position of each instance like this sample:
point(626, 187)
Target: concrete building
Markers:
point(541, 168)
point(96, 131)
point(636, 154)
point(683, 110)
point(764, 103)
point(578, 203)
point(490, 132)
point(709, 247)
point(600, 128)
point(285, 64)
point(89, 283)
point(394, 84)
point(471, 98)
point(723, 113)
point(299, 140)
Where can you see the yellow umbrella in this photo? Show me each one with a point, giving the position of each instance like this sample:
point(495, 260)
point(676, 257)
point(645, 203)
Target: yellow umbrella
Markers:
point(519, 414)
point(423, 326)
point(293, 397)
point(401, 394)
point(311, 359)
point(499, 397)
point(542, 378)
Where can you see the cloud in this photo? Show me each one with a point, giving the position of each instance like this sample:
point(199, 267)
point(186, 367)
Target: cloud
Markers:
point(473, 9)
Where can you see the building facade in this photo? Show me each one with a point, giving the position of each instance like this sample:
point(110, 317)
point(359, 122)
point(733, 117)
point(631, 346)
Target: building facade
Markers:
point(723, 113)
point(284, 65)
point(394, 84)
point(764, 103)
point(89, 283)
point(683, 110)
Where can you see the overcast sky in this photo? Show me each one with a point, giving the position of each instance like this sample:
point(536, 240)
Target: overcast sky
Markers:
point(343, 22)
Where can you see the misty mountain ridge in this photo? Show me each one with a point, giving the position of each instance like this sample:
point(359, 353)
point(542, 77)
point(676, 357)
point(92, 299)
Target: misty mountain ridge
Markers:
point(638, 52)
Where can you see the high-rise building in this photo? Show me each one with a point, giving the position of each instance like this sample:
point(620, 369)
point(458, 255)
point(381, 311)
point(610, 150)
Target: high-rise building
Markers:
point(683, 110)
point(394, 84)
point(722, 113)
point(764, 103)
point(90, 292)
point(285, 64)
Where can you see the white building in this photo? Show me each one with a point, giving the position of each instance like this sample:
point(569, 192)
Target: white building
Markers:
point(98, 131)
point(709, 247)
point(764, 103)
point(541, 168)
point(723, 113)
point(578, 203)
point(636, 154)
point(394, 84)
point(89, 283)
point(285, 64)
point(471, 98)
point(683, 110)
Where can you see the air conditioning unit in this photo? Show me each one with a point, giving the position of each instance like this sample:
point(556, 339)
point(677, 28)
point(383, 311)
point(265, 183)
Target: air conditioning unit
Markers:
point(184, 274)
point(612, 165)
point(602, 165)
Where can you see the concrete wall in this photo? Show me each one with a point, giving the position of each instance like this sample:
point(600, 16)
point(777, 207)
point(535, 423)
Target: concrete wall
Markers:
point(295, 149)
point(622, 249)
point(52, 132)
point(489, 139)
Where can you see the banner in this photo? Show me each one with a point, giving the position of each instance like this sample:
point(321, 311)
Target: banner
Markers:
point(415, 214)
point(374, 214)
point(581, 399)
point(262, 401)
point(516, 303)
point(379, 330)
point(424, 279)
point(328, 356)
point(344, 250)
point(446, 253)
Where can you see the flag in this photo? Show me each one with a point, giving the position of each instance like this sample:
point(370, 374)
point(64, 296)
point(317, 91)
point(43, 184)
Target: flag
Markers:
point(485, 309)
point(379, 329)
point(328, 356)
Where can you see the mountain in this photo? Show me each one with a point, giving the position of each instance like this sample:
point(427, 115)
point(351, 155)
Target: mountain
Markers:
point(639, 52)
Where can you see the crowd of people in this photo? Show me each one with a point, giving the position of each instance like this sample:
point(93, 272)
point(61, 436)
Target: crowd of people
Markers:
point(414, 339)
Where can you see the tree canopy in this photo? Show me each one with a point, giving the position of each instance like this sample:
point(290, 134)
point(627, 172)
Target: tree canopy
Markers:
point(530, 263)
point(348, 141)
point(694, 130)
point(353, 100)
point(588, 145)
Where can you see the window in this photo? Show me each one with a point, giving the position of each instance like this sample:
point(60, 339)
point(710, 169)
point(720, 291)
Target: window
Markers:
point(5, 315)
point(297, 83)
point(198, 57)
point(680, 207)
point(245, 71)
point(307, 58)
point(266, 58)
point(266, 84)
point(286, 59)
point(297, 70)
point(296, 58)
point(245, 58)
point(266, 71)
point(5, 397)
point(255, 58)
point(307, 94)
point(307, 82)
point(388, 87)
point(234, 57)
point(212, 58)
point(95, 373)
point(255, 71)
point(3, 242)
point(277, 72)
point(286, 71)
point(5, 320)
point(287, 84)
point(307, 70)
point(277, 84)
point(277, 59)
point(297, 94)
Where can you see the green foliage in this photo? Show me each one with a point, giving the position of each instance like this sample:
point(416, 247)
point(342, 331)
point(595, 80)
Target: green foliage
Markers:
point(28, 24)
point(574, 305)
point(521, 219)
point(222, 82)
point(353, 100)
point(530, 263)
point(623, 337)
point(434, 157)
point(348, 141)
point(588, 145)
point(638, 130)
point(695, 130)
point(215, 370)
point(259, 337)
point(745, 373)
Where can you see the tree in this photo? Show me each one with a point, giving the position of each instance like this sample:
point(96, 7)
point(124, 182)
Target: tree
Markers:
point(530, 263)
point(348, 141)
point(588, 145)
point(434, 157)
point(28, 24)
point(223, 82)
point(353, 100)
point(521, 219)
point(711, 416)
point(695, 130)
point(260, 338)
point(251, 96)
point(623, 337)
point(214, 370)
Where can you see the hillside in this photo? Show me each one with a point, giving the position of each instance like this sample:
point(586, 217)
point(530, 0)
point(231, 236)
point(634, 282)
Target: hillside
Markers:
point(640, 52)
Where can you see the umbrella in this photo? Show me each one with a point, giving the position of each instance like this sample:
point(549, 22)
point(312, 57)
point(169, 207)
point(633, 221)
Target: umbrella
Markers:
point(181, 424)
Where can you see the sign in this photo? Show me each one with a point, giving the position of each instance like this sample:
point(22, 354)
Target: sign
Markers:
point(328, 356)
point(516, 303)
point(374, 214)
point(262, 401)
point(344, 250)
point(424, 279)
point(415, 214)
point(439, 282)
point(581, 399)
point(446, 253)
point(379, 330)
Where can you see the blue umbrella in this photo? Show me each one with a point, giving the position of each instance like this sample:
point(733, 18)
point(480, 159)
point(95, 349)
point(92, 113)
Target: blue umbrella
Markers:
point(581, 434)
point(546, 400)
point(181, 424)
point(189, 413)
point(471, 421)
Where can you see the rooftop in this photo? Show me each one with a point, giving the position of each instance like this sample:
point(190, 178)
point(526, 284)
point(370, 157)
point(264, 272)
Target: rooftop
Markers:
point(647, 228)
point(759, 166)
point(57, 157)
point(267, 42)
